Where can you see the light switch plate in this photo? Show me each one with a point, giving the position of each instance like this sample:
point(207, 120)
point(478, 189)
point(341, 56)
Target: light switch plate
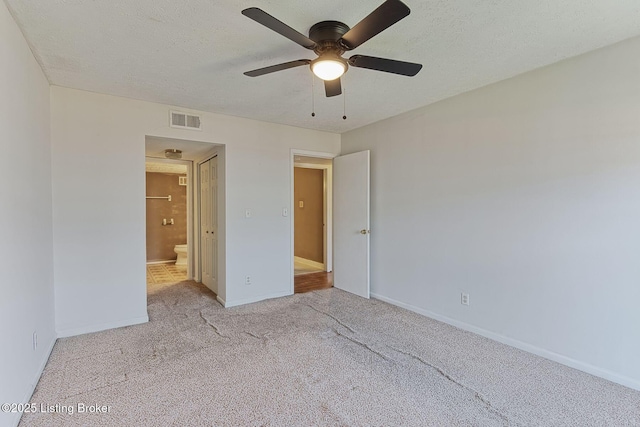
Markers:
point(247, 213)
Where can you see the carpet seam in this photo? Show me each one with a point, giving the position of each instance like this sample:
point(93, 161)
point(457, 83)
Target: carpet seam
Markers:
point(448, 376)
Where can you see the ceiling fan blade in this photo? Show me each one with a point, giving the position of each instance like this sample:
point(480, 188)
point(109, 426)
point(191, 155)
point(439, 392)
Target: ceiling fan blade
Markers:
point(387, 14)
point(278, 67)
point(262, 17)
point(333, 87)
point(387, 65)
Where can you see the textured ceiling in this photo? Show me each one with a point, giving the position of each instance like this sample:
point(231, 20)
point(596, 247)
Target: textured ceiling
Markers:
point(193, 53)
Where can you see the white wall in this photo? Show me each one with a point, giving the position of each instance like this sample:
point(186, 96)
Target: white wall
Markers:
point(99, 204)
point(26, 285)
point(525, 194)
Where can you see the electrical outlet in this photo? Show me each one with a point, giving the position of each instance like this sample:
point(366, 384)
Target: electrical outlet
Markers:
point(35, 341)
point(464, 298)
point(247, 280)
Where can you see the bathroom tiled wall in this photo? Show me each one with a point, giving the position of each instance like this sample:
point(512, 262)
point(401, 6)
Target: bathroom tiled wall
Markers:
point(162, 238)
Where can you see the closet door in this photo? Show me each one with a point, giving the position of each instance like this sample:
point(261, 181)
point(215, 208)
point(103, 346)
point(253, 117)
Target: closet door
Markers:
point(205, 223)
point(213, 224)
point(208, 223)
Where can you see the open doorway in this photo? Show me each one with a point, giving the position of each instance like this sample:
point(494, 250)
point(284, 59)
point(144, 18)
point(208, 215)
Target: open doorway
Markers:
point(309, 220)
point(311, 211)
point(175, 221)
point(167, 188)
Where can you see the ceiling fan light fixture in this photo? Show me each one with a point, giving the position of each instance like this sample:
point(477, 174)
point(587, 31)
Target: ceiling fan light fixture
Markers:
point(328, 67)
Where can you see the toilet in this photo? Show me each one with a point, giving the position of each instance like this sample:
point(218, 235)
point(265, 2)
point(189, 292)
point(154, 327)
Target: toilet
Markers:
point(181, 250)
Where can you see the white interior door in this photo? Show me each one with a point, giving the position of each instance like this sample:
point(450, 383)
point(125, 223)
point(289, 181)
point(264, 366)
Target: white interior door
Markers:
point(351, 223)
point(208, 223)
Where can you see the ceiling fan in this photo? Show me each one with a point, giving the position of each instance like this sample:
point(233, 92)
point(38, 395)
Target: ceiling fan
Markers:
point(330, 39)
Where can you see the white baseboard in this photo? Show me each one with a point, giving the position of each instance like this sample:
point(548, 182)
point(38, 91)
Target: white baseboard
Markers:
point(221, 301)
point(568, 361)
point(168, 261)
point(309, 262)
point(16, 416)
point(70, 332)
point(229, 304)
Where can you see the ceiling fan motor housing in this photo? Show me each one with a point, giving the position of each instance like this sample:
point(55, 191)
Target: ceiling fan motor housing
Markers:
point(326, 35)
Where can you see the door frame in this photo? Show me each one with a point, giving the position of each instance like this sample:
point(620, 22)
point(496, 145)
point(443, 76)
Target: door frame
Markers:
point(190, 207)
point(328, 205)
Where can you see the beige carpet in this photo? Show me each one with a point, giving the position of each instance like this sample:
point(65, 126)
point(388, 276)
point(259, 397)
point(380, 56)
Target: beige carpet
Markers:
point(325, 358)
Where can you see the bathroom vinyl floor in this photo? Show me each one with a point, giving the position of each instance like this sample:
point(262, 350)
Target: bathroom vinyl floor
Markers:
point(165, 273)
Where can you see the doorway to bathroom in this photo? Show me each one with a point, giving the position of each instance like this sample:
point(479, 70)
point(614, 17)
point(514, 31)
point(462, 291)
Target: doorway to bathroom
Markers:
point(176, 247)
point(167, 189)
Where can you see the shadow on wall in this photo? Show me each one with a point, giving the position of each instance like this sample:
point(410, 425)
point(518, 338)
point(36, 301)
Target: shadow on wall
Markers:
point(166, 220)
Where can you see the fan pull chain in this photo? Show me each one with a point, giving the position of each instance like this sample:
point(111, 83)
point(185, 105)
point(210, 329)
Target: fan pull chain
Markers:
point(344, 105)
point(313, 99)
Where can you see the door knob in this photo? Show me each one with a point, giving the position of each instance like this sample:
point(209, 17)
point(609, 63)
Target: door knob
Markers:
point(363, 231)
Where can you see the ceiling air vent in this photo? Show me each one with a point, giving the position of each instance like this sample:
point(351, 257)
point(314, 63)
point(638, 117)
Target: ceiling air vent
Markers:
point(184, 120)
